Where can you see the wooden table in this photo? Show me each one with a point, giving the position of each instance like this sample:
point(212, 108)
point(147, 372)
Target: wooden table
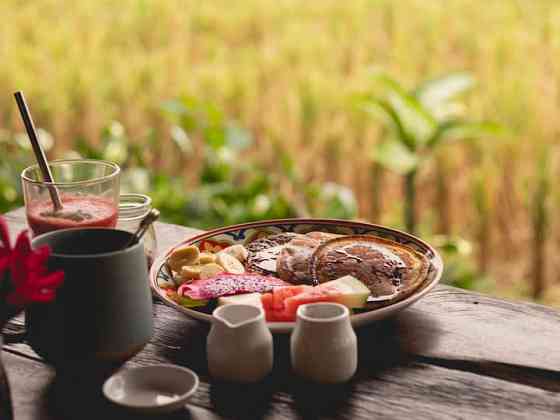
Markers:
point(454, 354)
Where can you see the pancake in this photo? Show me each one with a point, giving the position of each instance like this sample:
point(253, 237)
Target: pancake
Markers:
point(293, 263)
point(390, 270)
point(262, 253)
point(322, 236)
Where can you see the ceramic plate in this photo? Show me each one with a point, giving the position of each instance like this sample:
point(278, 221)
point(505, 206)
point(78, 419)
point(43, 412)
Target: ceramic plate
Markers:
point(248, 232)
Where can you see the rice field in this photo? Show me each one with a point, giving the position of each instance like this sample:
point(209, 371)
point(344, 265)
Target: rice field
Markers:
point(287, 70)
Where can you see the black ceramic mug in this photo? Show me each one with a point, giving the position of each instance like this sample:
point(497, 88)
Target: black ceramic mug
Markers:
point(103, 311)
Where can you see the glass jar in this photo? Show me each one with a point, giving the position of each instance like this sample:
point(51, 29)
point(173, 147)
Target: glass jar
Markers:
point(132, 209)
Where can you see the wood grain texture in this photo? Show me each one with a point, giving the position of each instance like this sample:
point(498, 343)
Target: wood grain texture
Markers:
point(454, 354)
point(414, 390)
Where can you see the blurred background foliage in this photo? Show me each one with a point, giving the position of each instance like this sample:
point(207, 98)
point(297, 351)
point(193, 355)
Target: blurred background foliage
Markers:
point(281, 109)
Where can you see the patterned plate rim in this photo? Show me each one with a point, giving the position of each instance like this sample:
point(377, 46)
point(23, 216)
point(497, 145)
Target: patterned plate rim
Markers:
point(285, 327)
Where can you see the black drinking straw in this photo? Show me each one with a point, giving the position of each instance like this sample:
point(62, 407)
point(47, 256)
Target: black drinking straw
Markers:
point(37, 149)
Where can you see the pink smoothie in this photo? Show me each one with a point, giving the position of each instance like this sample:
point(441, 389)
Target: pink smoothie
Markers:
point(78, 211)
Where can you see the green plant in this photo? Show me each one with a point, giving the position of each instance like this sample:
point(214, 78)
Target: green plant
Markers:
point(227, 185)
point(233, 187)
point(460, 270)
point(419, 121)
point(16, 154)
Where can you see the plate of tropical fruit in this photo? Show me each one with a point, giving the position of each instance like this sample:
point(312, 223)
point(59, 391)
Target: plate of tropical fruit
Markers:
point(281, 264)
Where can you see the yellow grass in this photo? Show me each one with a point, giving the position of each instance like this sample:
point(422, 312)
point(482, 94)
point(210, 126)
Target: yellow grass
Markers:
point(285, 69)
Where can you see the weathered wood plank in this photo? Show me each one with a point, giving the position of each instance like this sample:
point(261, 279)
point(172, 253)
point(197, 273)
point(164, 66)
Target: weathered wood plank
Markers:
point(414, 390)
point(38, 393)
point(454, 324)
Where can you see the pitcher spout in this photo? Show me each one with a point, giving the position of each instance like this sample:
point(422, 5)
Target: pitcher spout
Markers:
point(235, 316)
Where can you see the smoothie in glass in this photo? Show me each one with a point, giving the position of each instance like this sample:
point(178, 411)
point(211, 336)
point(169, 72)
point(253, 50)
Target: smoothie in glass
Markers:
point(88, 190)
point(77, 212)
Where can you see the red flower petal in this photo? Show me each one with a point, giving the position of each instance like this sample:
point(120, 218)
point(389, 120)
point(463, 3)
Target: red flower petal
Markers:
point(29, 276)
point(50, 281)
point(4, 237)
point(22, 246)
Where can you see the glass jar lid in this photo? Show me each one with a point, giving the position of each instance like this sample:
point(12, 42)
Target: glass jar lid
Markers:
point(134, 206)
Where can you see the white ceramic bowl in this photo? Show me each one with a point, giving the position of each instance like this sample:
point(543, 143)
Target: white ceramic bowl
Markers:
point(152, 389)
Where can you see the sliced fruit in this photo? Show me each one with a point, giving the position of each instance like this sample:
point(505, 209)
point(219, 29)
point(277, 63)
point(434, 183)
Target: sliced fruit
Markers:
point(247, 298)
point(210, 270)
point(190, 272)
point(353, 293)
point(280, 294)
point(189, 254)
point(274, 303)
point(266, 300)
point(237, 251)
point(314, 296)
point(175, 265)
point(282, 303)
point(185, 301)
point(225, 284)
point(230, 264)
point(206, 258)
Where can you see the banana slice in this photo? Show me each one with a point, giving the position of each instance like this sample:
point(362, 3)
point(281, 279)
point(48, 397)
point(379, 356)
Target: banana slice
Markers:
point(187, 255)
point(237, 251)
point(190, 272)
point(210, 270)
point(229, 263)
point(206, 258)
point(175, 265)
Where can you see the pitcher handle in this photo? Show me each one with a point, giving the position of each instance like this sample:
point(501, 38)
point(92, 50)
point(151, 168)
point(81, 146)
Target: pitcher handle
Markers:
point(15, 336)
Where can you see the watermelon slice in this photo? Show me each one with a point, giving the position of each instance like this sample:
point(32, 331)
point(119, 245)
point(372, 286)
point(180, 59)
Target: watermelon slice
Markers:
point(281, 305)
point(274, 302)
point(225, 284)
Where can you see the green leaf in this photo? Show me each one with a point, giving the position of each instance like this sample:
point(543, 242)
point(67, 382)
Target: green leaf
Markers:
point(396, 157)
point(417, 123)
point(386, 82)
point(86, 150)
point(454, 130)
point(383, 110)
point(434, 93)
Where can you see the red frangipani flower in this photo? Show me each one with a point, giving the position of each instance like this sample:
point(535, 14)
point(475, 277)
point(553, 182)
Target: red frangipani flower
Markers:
point(25, 271)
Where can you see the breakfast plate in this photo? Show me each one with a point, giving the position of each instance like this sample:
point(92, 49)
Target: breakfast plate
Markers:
point(390, 251)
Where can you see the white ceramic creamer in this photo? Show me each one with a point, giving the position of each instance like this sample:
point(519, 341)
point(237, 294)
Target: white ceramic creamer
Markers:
point(239, 346)
point(324, 347)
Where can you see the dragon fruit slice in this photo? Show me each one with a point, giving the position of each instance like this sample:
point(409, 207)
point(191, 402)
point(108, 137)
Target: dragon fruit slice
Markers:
point(225, 284)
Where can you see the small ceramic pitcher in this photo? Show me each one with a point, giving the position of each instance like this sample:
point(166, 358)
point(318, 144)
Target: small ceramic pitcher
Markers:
point(239, 345)
point(323, 345)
